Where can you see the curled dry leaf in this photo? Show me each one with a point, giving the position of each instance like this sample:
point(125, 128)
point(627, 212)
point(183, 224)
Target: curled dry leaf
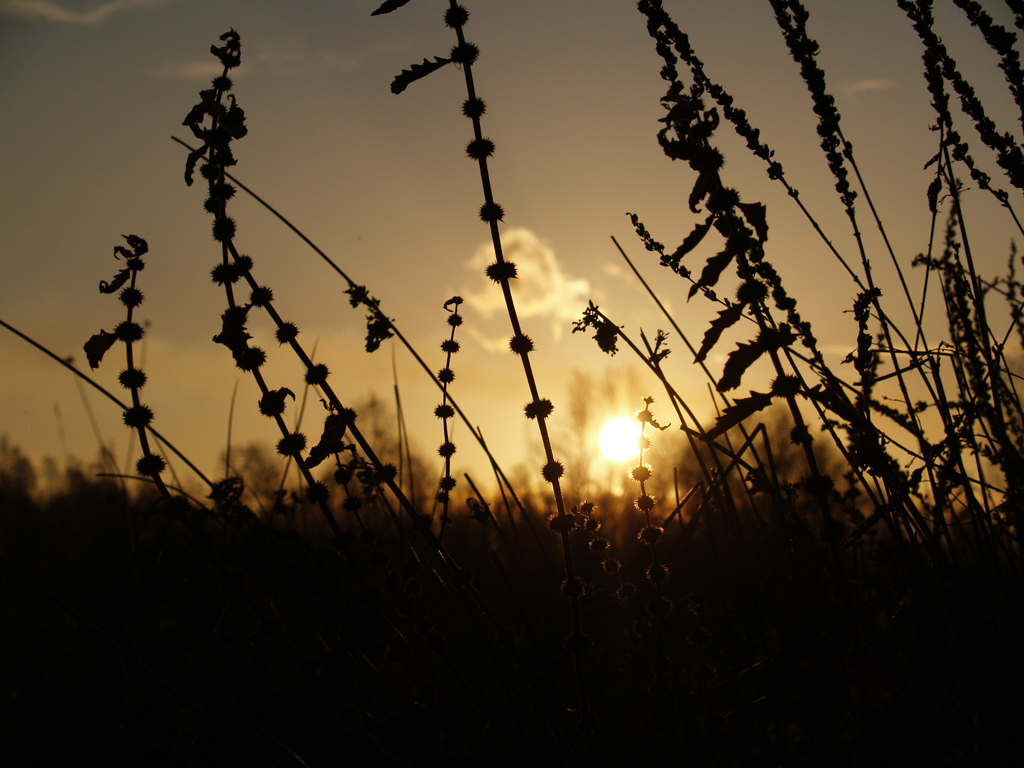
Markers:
point(97, 346)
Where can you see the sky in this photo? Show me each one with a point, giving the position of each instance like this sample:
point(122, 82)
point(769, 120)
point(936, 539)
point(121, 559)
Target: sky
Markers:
point(92, 92)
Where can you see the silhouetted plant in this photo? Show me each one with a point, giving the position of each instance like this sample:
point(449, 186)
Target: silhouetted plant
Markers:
point(503, 272)
point(445, 412)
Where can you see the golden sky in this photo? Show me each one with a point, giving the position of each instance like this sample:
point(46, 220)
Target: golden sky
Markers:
point(91, 93)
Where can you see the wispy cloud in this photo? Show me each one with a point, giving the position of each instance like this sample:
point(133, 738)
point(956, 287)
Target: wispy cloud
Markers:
point(491, 345)
point(289, 56)
point(294, 54)
point(48, 10)
point(195, 70)
point(542, 289)
point(869, 85)
point(306, 59)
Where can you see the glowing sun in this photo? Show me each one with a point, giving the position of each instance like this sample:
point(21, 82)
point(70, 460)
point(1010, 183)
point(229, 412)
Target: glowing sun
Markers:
point(620, 439)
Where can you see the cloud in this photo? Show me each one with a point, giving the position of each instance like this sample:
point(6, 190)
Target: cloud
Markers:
point(542, 288)
point(491, 345)
point(289, 56)
point(194, 70)
point(612, 269)
point(48, 10)
point(295, 54)
point(301, 58)
point(866, 86)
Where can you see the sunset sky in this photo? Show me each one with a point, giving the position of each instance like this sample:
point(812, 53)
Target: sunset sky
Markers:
point(91, 93)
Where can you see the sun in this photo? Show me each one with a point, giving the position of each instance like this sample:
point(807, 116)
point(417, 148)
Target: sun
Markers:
point(620, 439)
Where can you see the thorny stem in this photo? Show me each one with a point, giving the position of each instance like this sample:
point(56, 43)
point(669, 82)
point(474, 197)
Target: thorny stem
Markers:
point(651, 535)
point(552, 468)
point(445, 411)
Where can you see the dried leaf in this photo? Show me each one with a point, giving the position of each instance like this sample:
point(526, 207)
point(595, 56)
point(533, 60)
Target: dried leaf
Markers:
point(388, 6)
point(330, 441)
point(97, 346)
point(701, 188)
point(195, 116)
point(415, 72)
point(119, 279)
point(933, 194)
point(139, 246)
point(755, 214)
point(838, 404)
point(712, 271)
point(744, 356)
point(726, 318)
point(190, 163)
point(378, 329)
point(737, 412)
point(692, 241)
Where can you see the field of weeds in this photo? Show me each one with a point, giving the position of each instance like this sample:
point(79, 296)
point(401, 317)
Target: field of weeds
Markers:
point(827, 573)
